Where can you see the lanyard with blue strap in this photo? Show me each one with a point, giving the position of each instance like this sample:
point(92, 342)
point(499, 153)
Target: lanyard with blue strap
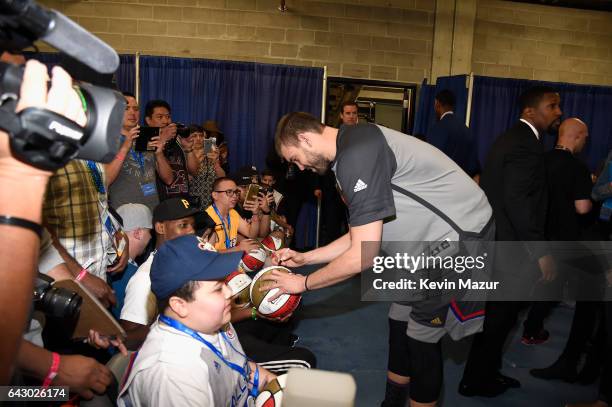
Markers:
point(228, 243)
point(241, 370)
point(96, 176)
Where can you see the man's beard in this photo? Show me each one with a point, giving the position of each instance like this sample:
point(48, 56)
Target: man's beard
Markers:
point(319, 163)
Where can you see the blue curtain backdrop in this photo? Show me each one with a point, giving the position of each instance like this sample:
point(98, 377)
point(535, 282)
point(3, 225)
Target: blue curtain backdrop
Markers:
point(495, 109)
point(425, 115)
point(424, 112)
point(246, 99)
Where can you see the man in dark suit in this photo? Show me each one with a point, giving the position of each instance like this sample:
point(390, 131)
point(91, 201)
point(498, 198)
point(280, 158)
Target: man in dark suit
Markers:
point(450, 135)
point(514, 180)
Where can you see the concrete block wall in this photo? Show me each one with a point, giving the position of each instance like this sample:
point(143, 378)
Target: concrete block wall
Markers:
point(385, 40)
point(518, 40)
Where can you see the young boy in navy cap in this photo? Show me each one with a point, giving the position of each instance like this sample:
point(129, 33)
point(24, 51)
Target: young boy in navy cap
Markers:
point(192, 356)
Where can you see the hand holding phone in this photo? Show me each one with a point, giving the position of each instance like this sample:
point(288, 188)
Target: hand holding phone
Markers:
point(146, 134)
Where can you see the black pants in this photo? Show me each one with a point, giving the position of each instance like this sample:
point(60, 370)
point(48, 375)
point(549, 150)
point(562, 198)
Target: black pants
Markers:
point(268, 344)
point(485, 357)
point(538, 312)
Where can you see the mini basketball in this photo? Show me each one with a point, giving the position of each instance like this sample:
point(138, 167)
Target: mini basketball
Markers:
point(239, 283)
point(273, 241)
point(272, 394)
point(280, 307)
point(253, 260)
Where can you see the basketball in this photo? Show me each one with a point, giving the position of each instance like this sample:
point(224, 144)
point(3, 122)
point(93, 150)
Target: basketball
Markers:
point(253, 260)
point(239, 283)
point(274, 241)
point(280, 307)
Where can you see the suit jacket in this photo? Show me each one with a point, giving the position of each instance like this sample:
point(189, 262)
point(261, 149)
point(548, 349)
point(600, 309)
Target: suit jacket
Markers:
point(514, 180)
point(451, 136)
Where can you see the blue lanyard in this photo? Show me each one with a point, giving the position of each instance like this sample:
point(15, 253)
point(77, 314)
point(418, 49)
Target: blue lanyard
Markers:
point(96, 176)
point(241, 370)
point(139, 158)
point(228, 243)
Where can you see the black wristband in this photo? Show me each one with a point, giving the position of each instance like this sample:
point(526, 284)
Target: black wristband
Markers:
point(22, 223)
point(306, 282)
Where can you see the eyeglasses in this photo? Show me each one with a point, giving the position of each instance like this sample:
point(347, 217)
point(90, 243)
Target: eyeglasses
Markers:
point(230, 192)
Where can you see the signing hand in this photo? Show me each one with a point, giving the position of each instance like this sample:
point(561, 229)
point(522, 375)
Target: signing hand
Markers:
point(287, 283)
point(288, 258)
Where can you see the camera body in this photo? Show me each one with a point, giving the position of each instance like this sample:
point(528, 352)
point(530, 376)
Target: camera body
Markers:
point(54, 301)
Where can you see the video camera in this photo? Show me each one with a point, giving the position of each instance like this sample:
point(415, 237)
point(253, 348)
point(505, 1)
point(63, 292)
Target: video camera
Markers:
point(38, 136)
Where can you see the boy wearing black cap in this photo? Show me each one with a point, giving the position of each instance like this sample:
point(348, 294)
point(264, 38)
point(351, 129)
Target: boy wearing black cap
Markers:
point(172, 218)
point(192, 355)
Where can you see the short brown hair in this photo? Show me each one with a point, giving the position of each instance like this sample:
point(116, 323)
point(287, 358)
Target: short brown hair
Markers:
point(186, 292)
point(348, 103)
point(291, 125)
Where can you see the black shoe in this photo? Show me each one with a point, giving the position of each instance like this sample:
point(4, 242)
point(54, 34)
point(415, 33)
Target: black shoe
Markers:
point(508, 381)
point(490, 389)
point(560, 370)
point(535, 339)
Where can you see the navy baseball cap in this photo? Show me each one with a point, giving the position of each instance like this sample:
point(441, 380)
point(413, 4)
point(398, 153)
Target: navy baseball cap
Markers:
point(184, 259)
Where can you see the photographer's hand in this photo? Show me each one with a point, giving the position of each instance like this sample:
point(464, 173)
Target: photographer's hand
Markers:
point(167, 133)
point(83, 375)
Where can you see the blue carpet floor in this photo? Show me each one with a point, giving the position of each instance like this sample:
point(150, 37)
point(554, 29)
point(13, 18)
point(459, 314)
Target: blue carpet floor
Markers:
point(348, 335)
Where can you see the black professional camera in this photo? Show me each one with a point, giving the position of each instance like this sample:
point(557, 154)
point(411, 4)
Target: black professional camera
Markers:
point(182, 130)
point(55, 301)
point(40, 137)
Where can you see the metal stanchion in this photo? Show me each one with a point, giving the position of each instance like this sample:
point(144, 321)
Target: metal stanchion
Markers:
point(318, 221)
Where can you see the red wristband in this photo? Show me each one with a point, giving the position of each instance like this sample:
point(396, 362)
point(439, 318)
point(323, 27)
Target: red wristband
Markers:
point(81, 275)
point(52, 371)
point(120, 156)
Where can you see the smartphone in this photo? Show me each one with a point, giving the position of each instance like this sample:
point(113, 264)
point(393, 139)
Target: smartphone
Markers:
point(144, 137)
point(252, 193)
point(208, 145)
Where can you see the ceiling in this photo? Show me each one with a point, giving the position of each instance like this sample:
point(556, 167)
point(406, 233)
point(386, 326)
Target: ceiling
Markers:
point(605, 5)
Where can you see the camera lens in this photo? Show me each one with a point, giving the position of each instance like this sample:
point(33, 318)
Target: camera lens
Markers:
point(61, 303)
